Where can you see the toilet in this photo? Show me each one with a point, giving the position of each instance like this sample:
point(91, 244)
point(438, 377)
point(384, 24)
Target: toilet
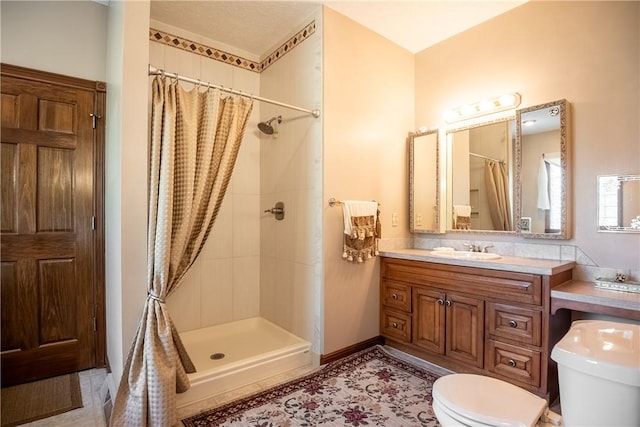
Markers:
point(479, 401)
point(599, 376)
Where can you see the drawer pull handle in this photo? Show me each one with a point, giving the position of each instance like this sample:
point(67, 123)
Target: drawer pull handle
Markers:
point(512, 363)
point(448, 303)
point(395, 325)
point(513, 323)
point(441, 301)
point(394, 296)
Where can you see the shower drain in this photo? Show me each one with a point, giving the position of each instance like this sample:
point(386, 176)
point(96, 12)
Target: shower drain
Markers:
point(216, 356)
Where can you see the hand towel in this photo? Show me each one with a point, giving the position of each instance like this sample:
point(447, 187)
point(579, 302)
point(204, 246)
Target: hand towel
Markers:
point(361, 230)
point(462, 217)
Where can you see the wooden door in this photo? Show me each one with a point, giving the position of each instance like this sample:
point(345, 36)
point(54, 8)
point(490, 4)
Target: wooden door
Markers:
point(465, 329)
point(429, 319)
point(48, 267)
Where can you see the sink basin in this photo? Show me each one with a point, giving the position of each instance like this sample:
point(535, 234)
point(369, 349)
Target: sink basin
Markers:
point(471, 256)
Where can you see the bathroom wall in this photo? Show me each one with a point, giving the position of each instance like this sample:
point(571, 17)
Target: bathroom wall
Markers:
point(291, 172)
point(368, 109)
point(61, 37)
point(224, 283)
point(586, 52)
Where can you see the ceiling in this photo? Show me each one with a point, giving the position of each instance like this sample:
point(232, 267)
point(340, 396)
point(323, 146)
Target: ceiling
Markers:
point(257, 27)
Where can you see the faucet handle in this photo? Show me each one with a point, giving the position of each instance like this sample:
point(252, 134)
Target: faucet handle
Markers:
point(471, 247)
point(486, 247)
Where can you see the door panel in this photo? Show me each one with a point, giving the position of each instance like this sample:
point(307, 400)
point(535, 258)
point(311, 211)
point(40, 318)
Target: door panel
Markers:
point(465, 328)
point(429, 318)
point(47, 238)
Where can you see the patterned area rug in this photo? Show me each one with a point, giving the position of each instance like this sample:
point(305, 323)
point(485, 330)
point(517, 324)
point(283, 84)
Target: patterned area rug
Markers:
point(369, 388)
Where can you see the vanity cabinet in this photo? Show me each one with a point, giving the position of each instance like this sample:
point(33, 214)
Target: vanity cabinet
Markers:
point(475, 320)
point(449, 324)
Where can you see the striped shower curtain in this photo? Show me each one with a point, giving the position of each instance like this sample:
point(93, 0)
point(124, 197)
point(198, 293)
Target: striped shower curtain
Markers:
point(496, 182)
point(195, 138)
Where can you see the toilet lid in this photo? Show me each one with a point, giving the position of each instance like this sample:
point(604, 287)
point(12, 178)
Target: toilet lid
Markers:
point(488, 400)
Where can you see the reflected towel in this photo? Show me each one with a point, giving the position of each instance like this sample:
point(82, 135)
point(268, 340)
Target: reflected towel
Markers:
point(462, 210)
point(462, 217)
point(543, 186)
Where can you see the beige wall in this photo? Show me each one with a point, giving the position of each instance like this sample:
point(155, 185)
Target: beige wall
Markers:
point(368, 109)
point(586, 52)
point(64, 37)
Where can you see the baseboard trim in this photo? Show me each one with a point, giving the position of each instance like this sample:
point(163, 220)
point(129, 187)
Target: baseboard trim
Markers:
point(344, 352)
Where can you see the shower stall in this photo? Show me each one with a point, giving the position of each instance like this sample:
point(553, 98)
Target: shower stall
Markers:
point(251, 305)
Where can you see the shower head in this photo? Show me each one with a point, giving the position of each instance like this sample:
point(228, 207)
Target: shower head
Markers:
point(267, 127)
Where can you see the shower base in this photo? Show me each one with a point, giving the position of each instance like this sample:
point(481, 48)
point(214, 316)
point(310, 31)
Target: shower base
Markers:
point(239, 353)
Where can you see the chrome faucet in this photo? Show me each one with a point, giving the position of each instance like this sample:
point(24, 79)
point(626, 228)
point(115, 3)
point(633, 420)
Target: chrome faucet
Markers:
point(473, 247)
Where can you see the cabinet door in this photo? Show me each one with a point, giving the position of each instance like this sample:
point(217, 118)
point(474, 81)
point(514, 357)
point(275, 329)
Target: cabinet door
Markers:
point(429, 318)
point(465, 327)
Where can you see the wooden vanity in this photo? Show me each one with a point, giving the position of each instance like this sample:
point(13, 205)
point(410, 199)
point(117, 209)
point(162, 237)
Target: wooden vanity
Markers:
point(491, 318)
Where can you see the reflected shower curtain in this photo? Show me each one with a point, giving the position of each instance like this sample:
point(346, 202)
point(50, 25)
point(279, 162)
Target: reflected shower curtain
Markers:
point(195, 138)
point(495, 177)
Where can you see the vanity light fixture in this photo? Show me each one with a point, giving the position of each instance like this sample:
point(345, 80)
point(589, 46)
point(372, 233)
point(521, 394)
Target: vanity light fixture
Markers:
point(487, 106)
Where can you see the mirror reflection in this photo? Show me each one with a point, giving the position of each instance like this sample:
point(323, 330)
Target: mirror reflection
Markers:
point(542, 165)
point(480, 177)
point(424, 197)
point(619, 203)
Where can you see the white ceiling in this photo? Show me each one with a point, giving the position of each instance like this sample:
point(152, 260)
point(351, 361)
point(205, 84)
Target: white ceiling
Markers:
point(259, 26)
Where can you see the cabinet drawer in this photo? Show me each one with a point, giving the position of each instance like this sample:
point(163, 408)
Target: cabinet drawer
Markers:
point(513, 363)
point(515, 323)
point(396, 325)
point(396, 296)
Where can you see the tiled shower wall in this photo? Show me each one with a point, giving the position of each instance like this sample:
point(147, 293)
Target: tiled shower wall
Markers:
point(291, 172)
point(252, 264)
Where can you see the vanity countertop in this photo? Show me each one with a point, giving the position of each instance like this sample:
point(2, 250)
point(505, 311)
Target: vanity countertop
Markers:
point(505, 263)
point(584, 296)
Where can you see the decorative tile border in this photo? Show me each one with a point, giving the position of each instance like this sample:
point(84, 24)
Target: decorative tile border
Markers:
point(229, 58)
point(302, 35)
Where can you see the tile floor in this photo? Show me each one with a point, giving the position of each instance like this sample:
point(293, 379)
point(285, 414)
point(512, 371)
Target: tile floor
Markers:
point(91, 415)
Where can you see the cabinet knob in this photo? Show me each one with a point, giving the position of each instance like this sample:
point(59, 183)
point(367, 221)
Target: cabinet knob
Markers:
point(394, 296)
point(441, 301)
point(512, 363)
point(513, 323)
point(448, 303)
point(395, 325)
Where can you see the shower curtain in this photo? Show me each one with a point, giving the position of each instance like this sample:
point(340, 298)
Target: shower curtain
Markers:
point(495, 177)
point(195, 138)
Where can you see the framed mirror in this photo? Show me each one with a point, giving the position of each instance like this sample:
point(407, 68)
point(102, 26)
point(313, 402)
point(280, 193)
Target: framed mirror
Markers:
point(480, 172)
point(619, 203)
point(543, 164)
point(424, 182)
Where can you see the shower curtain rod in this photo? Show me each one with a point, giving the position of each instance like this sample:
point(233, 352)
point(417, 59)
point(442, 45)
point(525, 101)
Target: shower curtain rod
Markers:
point(485, 157)
point(153, 71)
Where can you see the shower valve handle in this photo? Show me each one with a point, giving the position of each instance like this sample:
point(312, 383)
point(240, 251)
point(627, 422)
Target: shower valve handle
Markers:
point(277, 210)
point(274, 210)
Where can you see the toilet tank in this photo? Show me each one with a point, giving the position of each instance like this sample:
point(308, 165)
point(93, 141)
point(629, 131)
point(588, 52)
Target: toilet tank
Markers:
point(599, 374)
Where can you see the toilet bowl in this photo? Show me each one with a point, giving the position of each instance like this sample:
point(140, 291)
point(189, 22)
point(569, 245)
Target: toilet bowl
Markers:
point(479, 401)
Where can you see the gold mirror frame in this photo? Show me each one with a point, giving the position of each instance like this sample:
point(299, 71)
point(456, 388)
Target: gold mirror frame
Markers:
point(523, 220)
point(414, 225)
